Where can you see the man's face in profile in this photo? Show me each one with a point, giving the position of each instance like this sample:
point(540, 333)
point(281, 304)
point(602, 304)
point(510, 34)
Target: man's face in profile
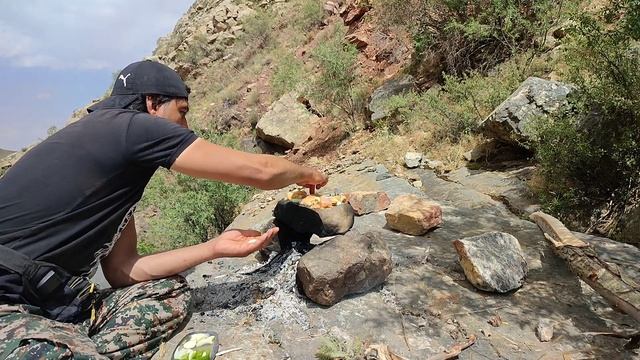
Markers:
point(175, 111)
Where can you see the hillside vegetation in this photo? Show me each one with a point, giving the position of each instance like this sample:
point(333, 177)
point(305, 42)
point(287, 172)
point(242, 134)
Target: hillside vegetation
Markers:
point(466, 58)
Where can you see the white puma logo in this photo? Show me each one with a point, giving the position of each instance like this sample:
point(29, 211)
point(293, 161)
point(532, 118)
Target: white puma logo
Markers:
point(124, 79)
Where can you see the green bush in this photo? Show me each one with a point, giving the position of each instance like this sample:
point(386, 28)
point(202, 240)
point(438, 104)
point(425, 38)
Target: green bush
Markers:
point(336, 83)
point(460, 104)
point(310, 14)
point(466, 35)
point(590, 156)
point(333, 348)
point(288, 74)
point(190, 210)
point(258, 30)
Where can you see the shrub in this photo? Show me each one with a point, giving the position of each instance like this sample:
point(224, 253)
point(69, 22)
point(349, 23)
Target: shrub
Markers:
point(333, 348)
point(190, 211)
point(590, 156)
point(461, 103)
point(467, 35)
point(258, 30)
point(310, 14)
point(336, 83)
point(288, 74)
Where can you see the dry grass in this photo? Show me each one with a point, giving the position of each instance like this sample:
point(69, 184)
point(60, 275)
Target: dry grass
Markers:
point(390, 148)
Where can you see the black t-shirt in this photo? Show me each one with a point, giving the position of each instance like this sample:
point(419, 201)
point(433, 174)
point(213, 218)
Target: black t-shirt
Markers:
point(67, 200)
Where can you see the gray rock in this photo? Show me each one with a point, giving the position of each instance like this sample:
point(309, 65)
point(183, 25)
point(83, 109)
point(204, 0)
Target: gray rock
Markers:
point(287, 123)
point(349, 264)
point(433, 164)
point(377, 104)
point(544, 330)
point(381, 173)
point(510, 122)
point(492, 261)
point(412, 159)
point(628, 228)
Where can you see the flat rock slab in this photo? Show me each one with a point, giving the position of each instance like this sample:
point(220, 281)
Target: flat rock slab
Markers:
point(426, 305)
point(365, 202)
point(509, 187)
point(348, 264)
point(493, 261)
point(413, 215)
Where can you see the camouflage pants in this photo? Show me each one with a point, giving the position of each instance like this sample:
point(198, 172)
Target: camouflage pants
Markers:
point(131, 323)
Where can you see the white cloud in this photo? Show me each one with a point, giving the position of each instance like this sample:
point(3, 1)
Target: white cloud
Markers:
point(101, 34)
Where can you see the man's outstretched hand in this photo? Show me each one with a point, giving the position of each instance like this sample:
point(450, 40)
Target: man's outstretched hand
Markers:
point(240, 243)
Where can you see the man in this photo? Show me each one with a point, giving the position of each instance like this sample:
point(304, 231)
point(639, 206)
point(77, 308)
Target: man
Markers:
point(69, 202)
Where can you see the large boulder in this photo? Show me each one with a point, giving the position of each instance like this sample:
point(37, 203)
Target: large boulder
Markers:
point(492, 261)
point(365, 202)
point(287, 123)
point(510, 122)
point(395, 86)
point(628, 228)
point(349, 264)
point(412, 215)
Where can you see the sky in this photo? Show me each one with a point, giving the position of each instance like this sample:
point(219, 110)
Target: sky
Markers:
point(56, 56)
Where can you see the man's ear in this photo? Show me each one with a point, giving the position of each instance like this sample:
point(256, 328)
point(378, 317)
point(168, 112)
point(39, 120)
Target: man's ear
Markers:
point(150, 108)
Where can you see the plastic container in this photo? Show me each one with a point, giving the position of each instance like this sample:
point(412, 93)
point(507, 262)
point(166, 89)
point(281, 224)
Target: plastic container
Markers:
point(197, 345)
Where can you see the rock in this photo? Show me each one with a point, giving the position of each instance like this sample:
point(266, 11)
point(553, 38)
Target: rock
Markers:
point(365, 202)
point(381, 173)
point(417, 184)
point(628, 228)
point(492, 261)
point(349, 264)
point(433, 164)
point(412, 160)
point(354, 14)
point(396, 86)
point(360, 40)
point(544, 330)
point(245, 12)
point(322, 222)
point(287, 123)
point(412, 215)
point(536, 97)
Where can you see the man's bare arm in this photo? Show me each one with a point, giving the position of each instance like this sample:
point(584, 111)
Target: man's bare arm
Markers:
point(210, 161)
point(124, 266)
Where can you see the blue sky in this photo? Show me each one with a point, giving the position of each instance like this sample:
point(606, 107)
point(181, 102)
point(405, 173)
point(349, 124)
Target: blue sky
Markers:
point(56, 56)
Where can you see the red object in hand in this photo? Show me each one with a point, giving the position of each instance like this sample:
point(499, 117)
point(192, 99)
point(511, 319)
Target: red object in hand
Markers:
point(312, 189)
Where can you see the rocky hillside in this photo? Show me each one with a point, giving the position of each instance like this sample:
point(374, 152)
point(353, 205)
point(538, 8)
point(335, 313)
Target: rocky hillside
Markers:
point(5, 153)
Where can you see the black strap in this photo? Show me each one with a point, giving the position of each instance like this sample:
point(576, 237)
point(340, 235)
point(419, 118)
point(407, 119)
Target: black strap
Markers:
point(13, 260)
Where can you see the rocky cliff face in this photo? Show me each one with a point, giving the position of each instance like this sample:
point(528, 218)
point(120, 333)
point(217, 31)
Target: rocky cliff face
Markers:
point(202, 34)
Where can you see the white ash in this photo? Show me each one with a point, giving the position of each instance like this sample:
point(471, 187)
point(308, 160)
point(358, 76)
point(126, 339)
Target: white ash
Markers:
point(285, 304)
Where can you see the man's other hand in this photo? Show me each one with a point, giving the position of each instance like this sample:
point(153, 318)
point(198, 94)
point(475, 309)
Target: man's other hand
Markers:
point(240, 243)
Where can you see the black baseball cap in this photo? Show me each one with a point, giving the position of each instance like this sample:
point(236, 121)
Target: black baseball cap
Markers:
point(142, 78)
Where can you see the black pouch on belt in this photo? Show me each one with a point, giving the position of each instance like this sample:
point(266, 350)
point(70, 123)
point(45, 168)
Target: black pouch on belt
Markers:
point(60, 295)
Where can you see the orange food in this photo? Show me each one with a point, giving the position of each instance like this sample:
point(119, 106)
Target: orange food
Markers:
point(322, 202)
